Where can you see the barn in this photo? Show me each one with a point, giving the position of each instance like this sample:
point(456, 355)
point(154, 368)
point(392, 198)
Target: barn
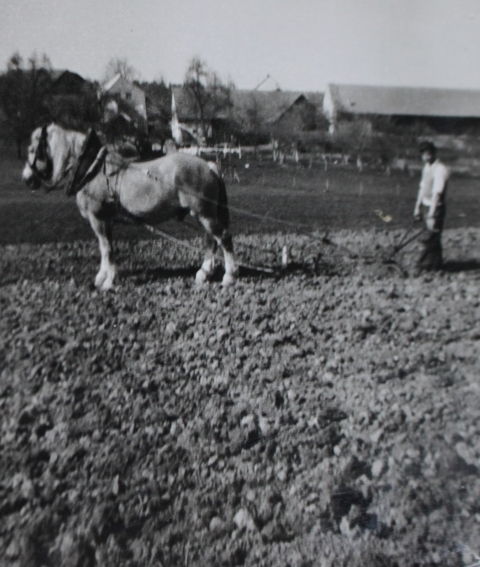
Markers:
point(251, 110)
point(432, 110)
point(73, 100)
point(295, 109)
point(66, 83)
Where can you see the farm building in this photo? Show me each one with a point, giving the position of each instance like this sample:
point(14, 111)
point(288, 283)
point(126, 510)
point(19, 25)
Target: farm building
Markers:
point(126, 99)
point(66, 83)
point(186, 117)
point(273, 111)
point(249, 110)
point(73, 100)
point(442, 111)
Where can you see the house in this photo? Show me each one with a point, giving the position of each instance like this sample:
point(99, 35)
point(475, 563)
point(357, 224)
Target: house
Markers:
point(127, 99)
point(443, 111)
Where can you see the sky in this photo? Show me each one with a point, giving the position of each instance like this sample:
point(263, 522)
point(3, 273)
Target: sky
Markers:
point(302, 44)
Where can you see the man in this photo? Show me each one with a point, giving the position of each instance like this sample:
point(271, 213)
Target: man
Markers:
point(431, 205)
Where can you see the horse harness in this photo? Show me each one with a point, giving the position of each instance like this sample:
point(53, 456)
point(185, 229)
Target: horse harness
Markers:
point(90, 162)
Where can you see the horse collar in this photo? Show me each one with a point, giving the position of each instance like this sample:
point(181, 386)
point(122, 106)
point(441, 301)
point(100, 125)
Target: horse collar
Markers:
point(88, 163)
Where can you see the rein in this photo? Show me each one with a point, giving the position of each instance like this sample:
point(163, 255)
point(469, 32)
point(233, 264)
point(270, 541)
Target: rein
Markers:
point(42, 154)
point(102, 157)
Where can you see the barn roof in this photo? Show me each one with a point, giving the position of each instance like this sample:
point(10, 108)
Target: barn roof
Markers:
point(272, 105)
point(57, 74)
point(410, 101)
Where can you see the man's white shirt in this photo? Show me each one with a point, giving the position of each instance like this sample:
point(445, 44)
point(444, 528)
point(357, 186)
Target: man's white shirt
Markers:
point(434, 181)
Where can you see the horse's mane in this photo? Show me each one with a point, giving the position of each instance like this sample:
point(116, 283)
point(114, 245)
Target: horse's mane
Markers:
point(116, 162)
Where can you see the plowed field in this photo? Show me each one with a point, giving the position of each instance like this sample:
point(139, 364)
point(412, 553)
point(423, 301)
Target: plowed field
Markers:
point(323, 416)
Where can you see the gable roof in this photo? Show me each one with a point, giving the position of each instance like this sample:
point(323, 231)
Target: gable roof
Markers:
point(271, 105)
point(407, 101)
point(121, 82)
point(109, 84)
point(58, 74)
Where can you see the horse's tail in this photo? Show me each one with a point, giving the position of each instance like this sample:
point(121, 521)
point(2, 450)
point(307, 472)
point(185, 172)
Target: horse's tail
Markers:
point(223, 213)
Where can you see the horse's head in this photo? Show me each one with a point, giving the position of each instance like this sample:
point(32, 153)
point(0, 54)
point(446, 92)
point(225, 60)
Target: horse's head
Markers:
point(39, 166)
point(51, 155)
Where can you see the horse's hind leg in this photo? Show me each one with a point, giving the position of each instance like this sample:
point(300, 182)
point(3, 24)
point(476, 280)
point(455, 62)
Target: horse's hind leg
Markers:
point(208, 265)
point(223, 237)
point(106, 274)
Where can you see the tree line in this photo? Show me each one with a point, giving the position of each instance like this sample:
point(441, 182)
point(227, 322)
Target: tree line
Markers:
point(28, 99)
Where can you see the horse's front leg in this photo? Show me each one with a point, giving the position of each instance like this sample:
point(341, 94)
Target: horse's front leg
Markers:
point(208, 265)
point(103, 230)
point(222, 237)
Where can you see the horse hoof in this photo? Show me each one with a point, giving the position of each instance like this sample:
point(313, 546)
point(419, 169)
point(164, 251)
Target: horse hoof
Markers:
point(228, 279)
point(100, 280)
point(106, 287)
point(201, 277)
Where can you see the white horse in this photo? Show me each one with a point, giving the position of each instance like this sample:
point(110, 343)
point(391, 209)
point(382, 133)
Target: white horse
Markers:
point(108, 188)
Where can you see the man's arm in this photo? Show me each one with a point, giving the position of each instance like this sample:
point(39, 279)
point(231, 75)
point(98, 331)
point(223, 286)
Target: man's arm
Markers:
point(416, 211)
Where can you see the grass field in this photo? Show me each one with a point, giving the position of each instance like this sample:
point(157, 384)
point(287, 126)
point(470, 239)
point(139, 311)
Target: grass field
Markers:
point(313, 198)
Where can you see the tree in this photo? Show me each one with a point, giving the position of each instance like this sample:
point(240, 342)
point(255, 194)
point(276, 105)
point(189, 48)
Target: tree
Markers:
point(119, 65)
point(208, 93)
point(23, 95)
point(353, 136)
point(252, 122)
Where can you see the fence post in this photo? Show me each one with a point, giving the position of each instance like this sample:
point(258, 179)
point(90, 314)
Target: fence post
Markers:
point(285, 257)
point(359, 164)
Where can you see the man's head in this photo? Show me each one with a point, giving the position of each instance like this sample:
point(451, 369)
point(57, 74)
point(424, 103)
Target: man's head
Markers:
point(428, 152)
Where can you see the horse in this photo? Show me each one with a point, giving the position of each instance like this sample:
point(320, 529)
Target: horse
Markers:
point(108, 189)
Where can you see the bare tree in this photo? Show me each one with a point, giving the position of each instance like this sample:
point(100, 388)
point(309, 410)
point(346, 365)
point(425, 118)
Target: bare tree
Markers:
point(119, 65)
point(209, 94)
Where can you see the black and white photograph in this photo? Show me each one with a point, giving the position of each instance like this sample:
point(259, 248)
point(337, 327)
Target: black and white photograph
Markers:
point(239, 283)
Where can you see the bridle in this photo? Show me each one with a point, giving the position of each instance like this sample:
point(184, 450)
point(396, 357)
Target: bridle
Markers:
point(42, 154)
